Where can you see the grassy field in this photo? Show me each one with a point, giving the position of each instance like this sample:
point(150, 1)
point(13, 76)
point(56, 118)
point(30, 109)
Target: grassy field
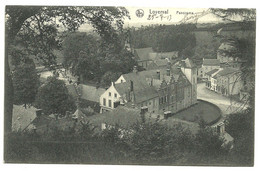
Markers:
point(203, 110)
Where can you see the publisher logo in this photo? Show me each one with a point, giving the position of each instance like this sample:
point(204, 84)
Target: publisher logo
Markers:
point(139, 13)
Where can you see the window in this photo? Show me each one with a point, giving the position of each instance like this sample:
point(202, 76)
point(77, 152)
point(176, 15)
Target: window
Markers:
point(115, 95)
point(109, 103)
point(109, 93)
point(104, 101)
point(121, 81)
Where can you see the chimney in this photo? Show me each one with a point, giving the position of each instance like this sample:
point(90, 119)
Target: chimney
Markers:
point(56, 116)
point(221, 128)
point(38, 112)
point(67, 114)
point(168, 72)
point(144, 109)
point(167, 114)
point(131, 85)
point(142, 113)
point(135, 70)
point(158, 74)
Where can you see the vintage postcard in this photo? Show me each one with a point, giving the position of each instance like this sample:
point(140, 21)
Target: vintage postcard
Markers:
point(129, 85)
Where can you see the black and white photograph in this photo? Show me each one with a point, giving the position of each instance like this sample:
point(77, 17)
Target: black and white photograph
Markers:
point(122, 85)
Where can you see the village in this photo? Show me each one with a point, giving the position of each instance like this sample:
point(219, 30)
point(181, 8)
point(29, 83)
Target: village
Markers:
point(173, 90)
point(117, 94)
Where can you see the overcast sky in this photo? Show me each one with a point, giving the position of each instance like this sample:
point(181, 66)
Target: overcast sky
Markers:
point(174, 16)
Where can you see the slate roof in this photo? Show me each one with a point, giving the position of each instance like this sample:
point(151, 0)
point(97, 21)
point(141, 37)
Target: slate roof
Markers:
point(142, 90)
point(211, 62)
point(72, 90)
point(91, 93)
point(143, 53)
point(212, 72)
point(161, 62)
point(187, 63)
point(22, 117)
point(163, 55)
point(227, 71)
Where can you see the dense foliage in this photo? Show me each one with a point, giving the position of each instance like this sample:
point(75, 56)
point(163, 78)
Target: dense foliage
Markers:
point(149, 142)
point(90, 58)
point(165, 38)
point(53, 97)
point(26, 82)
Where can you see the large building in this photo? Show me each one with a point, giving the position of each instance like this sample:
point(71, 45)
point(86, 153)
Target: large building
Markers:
point(170, 89)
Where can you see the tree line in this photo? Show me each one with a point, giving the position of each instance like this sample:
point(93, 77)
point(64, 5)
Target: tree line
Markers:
point(165, 38)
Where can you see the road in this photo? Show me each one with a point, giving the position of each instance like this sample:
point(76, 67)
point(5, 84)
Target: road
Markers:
point(226, 105)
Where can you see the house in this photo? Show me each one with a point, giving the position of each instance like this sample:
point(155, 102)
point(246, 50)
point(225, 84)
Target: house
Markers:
point(209, 65)
point(219, 127)
point(89, 95)
point(168, 89)
point(142, 56)
point(163, 55)
point(146, 56)
point(228, 81)
point(211, 82)
point(158, 64)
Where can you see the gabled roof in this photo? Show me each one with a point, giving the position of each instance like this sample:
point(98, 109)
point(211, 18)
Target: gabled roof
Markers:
point(91, 93)
point(72, 90)
point(163, 55)
point(122, 88)
point(211, 62)
point(187, 63)
point(212, 72)
point(161, 62)
point(143, 53)
point(227, 71)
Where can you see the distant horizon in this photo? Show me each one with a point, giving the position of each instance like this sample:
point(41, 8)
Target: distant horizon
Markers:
point(174, 16)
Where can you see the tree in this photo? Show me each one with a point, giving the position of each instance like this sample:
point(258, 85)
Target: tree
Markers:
point(109, 77)
point(53, 97)
point(36, 29)
point(209, 143)
point(26, 83)
point(76, 43)
point(241, 127)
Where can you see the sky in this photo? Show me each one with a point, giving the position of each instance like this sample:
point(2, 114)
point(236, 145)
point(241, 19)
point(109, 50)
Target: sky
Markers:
point(172, 16)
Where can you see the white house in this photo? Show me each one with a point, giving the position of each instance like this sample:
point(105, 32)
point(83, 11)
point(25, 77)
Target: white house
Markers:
point(108, 99)
point(209, 65)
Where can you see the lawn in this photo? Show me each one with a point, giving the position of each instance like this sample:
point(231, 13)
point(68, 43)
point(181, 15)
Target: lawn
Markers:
point(209, 112)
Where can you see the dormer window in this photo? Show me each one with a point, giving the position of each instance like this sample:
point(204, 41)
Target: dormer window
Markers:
point(109, 94)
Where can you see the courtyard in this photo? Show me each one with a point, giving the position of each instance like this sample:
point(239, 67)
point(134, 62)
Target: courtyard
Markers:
point(203, 110)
